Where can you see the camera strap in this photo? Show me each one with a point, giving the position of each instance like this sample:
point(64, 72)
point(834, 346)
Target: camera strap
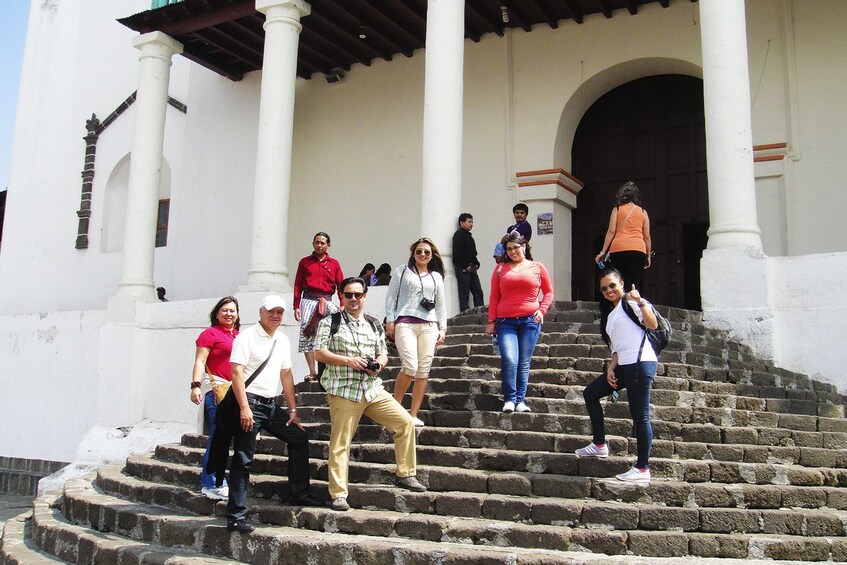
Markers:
point(422, 284)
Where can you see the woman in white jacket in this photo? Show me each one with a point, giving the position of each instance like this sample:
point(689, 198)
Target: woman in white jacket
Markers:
point(416, 318)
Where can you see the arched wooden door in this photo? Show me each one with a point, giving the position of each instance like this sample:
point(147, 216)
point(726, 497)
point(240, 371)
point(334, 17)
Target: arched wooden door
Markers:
point(651, 131)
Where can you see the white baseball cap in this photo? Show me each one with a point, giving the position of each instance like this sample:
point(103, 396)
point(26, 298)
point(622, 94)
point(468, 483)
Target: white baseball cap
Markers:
point(272, 301)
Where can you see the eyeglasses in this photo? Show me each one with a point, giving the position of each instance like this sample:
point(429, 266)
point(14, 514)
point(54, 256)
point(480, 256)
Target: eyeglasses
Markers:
point(612, 286)
point(356, 295)
point(424, 252)
point(512, 248)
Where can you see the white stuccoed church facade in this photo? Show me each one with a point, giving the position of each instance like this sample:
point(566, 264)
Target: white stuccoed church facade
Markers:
point(253, 168)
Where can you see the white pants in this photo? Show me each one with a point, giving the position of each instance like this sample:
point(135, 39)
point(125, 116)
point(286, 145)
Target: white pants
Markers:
point(416, 346)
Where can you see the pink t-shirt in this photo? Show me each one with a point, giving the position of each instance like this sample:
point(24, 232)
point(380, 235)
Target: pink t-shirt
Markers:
point(218, 340)
point(514, 295)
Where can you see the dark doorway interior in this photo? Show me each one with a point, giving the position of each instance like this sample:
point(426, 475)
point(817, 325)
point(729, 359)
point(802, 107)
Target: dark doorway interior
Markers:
point(651, 131)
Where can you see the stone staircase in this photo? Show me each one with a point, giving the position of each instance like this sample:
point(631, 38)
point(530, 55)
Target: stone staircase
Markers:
point(749, 463)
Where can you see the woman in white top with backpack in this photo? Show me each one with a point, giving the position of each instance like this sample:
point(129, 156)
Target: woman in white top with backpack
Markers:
point(633, 366)
point(416, 318)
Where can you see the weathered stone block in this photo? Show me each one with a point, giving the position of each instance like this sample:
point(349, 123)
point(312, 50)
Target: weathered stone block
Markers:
point(701, 433)
point(557, 513)
point(561, 486)
point(614, 516)
point(718, 545)
point(658, 544)
point(804, 549)
point(509, 509)
point(729, 520)
point(598, 541)
point(459, 504)
point(782, 522)
point(658, 518)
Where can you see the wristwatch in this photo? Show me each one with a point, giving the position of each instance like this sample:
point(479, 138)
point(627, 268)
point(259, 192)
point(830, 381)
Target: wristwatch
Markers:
point(196, 384)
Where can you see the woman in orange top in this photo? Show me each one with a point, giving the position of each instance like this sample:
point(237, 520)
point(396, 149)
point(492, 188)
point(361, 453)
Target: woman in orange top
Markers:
point(628, 241)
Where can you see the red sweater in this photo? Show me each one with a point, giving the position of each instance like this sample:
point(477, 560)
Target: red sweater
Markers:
point(319, 277)
point(514, 295)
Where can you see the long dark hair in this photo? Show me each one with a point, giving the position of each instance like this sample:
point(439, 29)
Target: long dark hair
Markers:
point(213, 315)
point(628, 193)
point(436, 263)
point(366, 268)
point(515, 237)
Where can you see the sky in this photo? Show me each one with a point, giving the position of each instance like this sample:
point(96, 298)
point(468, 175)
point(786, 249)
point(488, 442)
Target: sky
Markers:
point(13, 20)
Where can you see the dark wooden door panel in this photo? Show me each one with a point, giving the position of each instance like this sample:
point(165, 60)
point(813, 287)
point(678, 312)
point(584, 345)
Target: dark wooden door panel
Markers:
point(650, 131)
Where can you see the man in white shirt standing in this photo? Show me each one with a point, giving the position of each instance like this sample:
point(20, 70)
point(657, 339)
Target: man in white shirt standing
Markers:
point(258, 411)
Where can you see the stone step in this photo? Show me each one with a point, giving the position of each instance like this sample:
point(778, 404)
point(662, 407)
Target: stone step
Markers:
point(703, 425)
point(53, 539)
point(552, 524)
point(500, 543)
point(17, 547)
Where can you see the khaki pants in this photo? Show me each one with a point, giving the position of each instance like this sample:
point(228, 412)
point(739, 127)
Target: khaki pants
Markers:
point(345, 415)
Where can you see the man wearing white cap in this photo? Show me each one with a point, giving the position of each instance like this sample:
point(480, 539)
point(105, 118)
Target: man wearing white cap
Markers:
point(265, 352)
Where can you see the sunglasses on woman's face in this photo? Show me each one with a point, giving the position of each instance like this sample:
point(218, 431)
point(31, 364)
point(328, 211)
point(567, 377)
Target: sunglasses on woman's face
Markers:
point(424, 252)
point(612, 286)
point(356, 295)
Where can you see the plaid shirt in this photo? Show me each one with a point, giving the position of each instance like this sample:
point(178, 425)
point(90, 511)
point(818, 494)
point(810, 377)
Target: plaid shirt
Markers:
point(355, 338)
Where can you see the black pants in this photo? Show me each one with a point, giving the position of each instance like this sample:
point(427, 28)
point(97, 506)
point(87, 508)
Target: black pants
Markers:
point(270, 419)
point(468, 282)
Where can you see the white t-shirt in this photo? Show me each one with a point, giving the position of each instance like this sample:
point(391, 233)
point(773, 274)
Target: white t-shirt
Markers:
point(626, 335)
point(251, 347)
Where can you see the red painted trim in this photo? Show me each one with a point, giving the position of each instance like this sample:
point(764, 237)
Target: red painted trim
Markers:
point(767, 146)
point(768, 158)
point(546, 182)
point(550, 172)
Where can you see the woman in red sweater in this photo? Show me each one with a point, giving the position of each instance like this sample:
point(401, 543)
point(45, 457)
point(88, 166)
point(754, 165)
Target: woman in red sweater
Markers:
point(318, 277)
point(515, 315)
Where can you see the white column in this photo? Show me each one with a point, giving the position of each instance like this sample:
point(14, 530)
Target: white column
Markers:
point(268, 261)
point(729, 139)
point(442, 127)
point(145, 168)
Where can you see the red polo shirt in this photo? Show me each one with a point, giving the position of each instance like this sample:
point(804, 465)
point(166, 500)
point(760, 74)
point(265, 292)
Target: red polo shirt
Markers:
point(218, 340)
point(317, 276)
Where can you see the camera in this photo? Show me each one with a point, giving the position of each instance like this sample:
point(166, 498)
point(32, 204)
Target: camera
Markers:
point(427, 303)
point(373, 364)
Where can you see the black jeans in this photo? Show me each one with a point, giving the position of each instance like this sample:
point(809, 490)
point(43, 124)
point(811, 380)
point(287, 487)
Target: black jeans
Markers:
point(468, 282)
point(637, 379)
point(270, 419)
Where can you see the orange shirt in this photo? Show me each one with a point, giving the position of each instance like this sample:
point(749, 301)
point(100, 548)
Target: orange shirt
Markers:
point(629, 235)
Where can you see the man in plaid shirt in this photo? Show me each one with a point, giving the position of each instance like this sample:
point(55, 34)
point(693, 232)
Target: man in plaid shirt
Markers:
point(355, 353)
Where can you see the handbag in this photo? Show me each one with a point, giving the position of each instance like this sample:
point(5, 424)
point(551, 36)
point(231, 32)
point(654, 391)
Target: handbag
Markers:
point(220, 389)
point(605, 261)
point(229, 412)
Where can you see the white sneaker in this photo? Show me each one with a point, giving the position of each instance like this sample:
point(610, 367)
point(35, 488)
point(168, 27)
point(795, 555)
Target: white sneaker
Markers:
point(635, 476)
point(216, 493)
point(521, 407)
point(509, 406)
point(418, 422)
point(592, 450)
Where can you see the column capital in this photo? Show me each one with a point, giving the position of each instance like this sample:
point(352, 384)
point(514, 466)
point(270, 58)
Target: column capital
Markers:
point(264, 6)
point(167, 45)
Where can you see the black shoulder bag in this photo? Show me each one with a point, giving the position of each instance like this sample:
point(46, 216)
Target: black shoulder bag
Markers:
point(229, 413)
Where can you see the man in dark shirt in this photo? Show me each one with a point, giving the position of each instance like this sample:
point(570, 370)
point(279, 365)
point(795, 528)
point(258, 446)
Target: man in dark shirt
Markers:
point(521, 211)
point(466, 263)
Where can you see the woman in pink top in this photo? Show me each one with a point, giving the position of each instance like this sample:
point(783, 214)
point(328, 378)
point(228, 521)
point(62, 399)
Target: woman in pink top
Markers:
point(628, 244)
point(515, 316)
point(214, 346)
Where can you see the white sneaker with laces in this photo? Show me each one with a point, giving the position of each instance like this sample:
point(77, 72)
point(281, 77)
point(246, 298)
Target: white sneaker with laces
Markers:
point(418, 422)
point(635, 476)
point(216, 493)
point(592, 450)
point(521, 407)
point(509, 406)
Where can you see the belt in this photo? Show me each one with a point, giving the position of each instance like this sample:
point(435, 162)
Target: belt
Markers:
point(315, 295)
point(259, 399)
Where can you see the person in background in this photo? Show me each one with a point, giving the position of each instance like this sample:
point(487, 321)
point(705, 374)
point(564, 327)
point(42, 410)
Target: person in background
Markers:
point(367, 274)
point(416, 319)
point(214, 345)
point(160, 292)
point(318, 278)
point(352, 345)
point(515, 315)
point(628, 243)
point(383, 275)
point(633, 367)
point(466, 264)
point(521, 225)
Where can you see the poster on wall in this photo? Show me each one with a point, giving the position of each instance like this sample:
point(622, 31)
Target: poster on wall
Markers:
point(545, 223)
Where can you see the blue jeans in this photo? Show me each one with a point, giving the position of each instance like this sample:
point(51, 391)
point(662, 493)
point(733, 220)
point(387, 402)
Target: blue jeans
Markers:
point(207, 480)
point(516, 338)
point(637, 379)
point(270, 419)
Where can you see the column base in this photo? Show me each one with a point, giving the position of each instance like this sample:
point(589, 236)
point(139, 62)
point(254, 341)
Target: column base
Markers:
point(266, 282)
